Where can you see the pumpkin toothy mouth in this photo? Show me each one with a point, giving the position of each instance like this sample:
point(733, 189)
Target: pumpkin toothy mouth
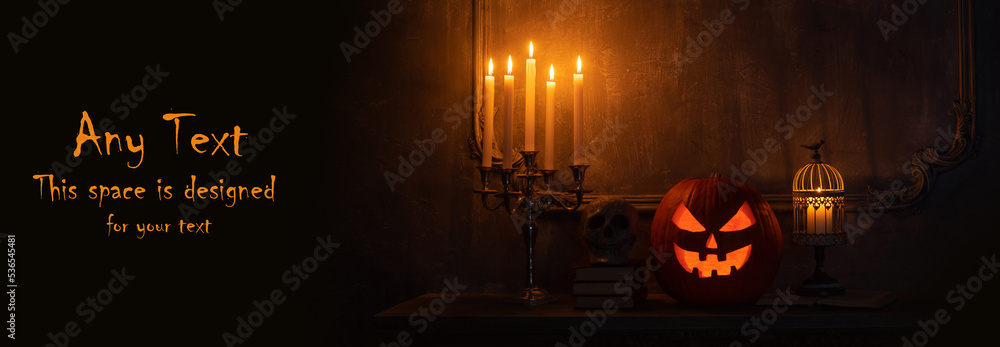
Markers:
point(712, 266)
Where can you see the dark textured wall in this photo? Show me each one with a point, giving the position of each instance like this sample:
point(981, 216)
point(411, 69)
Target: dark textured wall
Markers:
point(890, 97)
point(695, 98)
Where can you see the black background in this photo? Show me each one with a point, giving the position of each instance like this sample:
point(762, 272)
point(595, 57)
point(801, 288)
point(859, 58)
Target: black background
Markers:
point(188, 289)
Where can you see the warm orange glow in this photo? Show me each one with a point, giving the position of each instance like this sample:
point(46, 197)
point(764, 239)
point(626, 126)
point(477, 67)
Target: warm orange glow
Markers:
point(741, 220)
point(531, 50)
point(552, 72)
point(491, 67)
point(510, 65)
point(819, 190)
point(711, 266)
point(579, 65)
point(711, 242)
point(684, 220)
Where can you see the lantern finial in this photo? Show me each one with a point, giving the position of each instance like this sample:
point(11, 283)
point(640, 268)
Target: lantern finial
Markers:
point(815, 149)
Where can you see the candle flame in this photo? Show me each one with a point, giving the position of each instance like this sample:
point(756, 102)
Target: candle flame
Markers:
point(531, 49)
point(579, 65)
point(491, 67)
point(819, 190)
point(510, 65)
point(552, 72)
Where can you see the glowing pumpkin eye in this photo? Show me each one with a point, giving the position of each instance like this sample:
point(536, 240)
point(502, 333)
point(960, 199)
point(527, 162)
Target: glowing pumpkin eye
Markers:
point(741, 220)
point(684, 220)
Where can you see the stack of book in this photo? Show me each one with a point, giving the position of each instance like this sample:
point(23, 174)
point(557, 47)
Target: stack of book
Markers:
point(594, 285)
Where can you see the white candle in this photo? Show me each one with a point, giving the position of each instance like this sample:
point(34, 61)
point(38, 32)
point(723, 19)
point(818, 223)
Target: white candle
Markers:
point(489, 85)
point(529, 109)
point(508, 121)
point(810, 219)
point(824, 217)
point(827, 218)
point(821, 219)
point(550, 120)
point(578, 155)
point(830, 222)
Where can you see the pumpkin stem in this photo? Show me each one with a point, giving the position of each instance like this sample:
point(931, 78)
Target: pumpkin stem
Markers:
point(715, 175)
point(815, 149)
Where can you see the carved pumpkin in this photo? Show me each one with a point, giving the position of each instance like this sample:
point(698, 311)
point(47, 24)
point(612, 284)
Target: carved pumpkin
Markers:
point(725, 239)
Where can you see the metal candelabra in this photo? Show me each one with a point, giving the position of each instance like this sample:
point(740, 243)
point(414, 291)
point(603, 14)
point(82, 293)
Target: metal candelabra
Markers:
point(530, 202)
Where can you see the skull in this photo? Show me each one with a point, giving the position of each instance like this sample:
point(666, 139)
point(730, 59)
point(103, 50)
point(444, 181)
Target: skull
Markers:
point(609, 228)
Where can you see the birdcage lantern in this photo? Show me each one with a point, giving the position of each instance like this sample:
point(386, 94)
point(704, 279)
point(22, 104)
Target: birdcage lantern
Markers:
point(818, 204)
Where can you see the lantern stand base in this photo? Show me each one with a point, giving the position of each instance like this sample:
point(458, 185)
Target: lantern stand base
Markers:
point(815, 287)
point(820, 284)
point(531, 297)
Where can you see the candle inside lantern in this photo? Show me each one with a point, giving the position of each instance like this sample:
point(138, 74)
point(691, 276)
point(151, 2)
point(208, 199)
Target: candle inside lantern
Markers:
point(578, 155)
point(529, 109)
point(819, 216)
point(550, 120)
point(822, 211)
point(828, 222)
point(489, 84)
point(508, 121)
point(812, 222)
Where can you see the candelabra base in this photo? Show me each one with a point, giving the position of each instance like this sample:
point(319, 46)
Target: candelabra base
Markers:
point(524, 199)
point(531, 297)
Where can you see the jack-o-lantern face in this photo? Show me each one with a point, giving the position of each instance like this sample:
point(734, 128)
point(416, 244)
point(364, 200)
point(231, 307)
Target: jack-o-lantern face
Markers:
point(710, 261)
point(725, 239)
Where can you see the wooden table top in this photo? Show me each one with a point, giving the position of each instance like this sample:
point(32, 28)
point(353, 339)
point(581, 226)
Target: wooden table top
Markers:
point(658, 312)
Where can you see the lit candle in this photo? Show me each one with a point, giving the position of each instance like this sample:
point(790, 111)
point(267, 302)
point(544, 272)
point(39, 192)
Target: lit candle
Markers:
point(550, 120)
point(508, 121)
point(490, 83)
point(821, 212)
point(529, 109)
point(828, 218)
point(821, 219)
point(810, 218)
point(578, 155)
